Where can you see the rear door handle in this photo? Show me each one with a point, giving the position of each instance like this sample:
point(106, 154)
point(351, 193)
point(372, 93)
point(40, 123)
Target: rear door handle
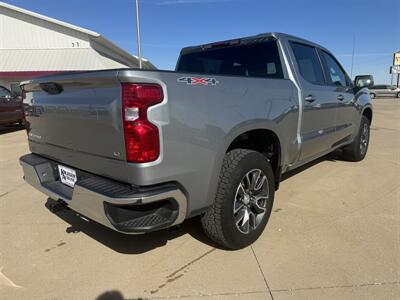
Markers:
point(310, 98)
point(340, 97)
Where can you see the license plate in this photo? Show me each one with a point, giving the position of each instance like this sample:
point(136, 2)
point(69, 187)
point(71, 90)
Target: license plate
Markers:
point(67, 176)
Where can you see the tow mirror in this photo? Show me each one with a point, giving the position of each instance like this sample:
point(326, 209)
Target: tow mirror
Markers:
point(363, 81)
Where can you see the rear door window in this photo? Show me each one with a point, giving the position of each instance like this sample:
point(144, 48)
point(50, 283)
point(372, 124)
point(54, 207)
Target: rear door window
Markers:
point(16, 88)
point(250, 60)
point(4, 92)
point(308, 62)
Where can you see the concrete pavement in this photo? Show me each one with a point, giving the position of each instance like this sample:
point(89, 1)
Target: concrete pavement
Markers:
point(334, 234)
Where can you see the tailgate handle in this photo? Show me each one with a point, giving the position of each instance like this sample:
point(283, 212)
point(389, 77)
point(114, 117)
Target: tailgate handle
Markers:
point(52, 88)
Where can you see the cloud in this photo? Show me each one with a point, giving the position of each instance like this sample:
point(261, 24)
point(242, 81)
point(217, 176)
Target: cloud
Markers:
point(160, 45)
point(180, 2)
point(365, 54)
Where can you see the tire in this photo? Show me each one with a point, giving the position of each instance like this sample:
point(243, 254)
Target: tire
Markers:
point(372, 95)
point(357, 150)
point(398, 95)
point(239, 170)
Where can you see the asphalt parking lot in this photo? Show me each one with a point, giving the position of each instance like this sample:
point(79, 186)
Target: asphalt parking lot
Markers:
point(334, 234)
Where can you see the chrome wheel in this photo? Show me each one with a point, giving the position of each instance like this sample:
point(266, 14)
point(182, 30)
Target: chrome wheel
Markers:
point(251, 199)
point(364, 139)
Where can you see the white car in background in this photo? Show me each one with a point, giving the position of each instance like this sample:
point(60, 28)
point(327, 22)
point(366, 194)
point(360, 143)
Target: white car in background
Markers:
point(384, 90)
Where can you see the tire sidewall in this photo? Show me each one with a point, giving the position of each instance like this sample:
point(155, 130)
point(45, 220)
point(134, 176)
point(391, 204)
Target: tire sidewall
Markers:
point(364, 120)
point(251, 161)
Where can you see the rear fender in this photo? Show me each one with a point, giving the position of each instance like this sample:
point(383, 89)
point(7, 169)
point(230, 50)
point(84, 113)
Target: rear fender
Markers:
point(231, 136)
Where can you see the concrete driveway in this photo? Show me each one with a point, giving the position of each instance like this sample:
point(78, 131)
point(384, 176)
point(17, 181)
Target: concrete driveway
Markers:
point(334, 234)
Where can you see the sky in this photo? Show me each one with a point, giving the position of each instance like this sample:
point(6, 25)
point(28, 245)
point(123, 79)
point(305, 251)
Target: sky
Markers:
point(169, 25)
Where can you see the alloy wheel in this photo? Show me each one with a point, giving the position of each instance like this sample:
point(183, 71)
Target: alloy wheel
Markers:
point(250, 202)
point(364, 139)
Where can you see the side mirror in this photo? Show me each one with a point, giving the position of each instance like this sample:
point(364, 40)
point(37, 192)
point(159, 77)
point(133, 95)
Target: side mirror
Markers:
point(362, 81)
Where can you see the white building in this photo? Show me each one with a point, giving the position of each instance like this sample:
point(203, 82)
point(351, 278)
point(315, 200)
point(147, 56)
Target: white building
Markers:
point(33, 45)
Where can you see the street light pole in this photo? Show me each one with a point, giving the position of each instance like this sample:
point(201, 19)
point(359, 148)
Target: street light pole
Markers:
point(138, 34)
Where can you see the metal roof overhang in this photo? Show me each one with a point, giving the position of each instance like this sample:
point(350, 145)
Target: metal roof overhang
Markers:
point(33, 60)
point(27, 74)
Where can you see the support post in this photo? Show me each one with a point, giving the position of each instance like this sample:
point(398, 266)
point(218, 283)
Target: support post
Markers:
point(138, 35)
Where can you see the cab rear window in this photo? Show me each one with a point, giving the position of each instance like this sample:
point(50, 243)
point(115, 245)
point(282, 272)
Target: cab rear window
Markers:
point(252, 60)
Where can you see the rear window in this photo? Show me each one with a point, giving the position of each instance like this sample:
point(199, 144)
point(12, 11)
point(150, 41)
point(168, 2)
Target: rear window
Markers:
point(254, 60)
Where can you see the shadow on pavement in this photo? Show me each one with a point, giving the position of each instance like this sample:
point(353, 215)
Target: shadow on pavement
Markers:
point(124, 243)
point(333, 157)
point(136, 244)
point(10, 128)
point(113, 295)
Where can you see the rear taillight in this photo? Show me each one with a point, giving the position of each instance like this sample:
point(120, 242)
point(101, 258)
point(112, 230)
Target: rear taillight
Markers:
point(142, 142)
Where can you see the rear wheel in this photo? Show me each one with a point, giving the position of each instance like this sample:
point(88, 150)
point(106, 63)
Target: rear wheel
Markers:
point(372, 95)
point(243, 201)
point(357, 150)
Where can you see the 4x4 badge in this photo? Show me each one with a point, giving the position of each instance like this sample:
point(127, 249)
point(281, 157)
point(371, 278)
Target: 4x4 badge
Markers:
point(198, 81)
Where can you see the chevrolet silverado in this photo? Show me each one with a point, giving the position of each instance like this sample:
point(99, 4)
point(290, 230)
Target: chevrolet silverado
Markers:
point(142, 150)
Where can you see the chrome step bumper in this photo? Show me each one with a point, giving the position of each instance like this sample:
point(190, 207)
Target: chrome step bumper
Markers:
point(118, 206)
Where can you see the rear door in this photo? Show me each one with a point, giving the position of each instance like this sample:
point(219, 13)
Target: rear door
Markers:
point(319, 102)
point(380, 90)
point(3, 105)
point(340, 85)
point(389, 91)
point(10, 108)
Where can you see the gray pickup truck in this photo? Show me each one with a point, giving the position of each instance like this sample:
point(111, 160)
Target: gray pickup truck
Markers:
point(142, 150)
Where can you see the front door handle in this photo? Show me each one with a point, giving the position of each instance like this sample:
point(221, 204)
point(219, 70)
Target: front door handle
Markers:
point(310, 98)
point(340, 97)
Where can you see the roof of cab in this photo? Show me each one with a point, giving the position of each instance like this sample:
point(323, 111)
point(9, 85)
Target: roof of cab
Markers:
point(275, 35)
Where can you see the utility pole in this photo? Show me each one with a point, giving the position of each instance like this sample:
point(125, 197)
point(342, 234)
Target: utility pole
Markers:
point(395, 62)
point(352, 56)
point(138, 35)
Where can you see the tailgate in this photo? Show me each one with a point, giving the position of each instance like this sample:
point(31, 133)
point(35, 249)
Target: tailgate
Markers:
point(76, 115)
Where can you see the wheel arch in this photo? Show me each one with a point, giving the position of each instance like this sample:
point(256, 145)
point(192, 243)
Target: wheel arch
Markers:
point(227, 144)
point(367, 112)
point(264, 141)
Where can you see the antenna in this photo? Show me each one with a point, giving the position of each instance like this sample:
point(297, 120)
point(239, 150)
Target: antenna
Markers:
point(352, 56)
point(138, 35)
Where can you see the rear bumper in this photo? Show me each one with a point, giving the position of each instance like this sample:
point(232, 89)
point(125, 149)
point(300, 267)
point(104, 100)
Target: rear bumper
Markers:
point(116, 205)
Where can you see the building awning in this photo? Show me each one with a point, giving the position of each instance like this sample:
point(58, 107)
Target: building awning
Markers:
point(17, 60)
point(26, 74)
